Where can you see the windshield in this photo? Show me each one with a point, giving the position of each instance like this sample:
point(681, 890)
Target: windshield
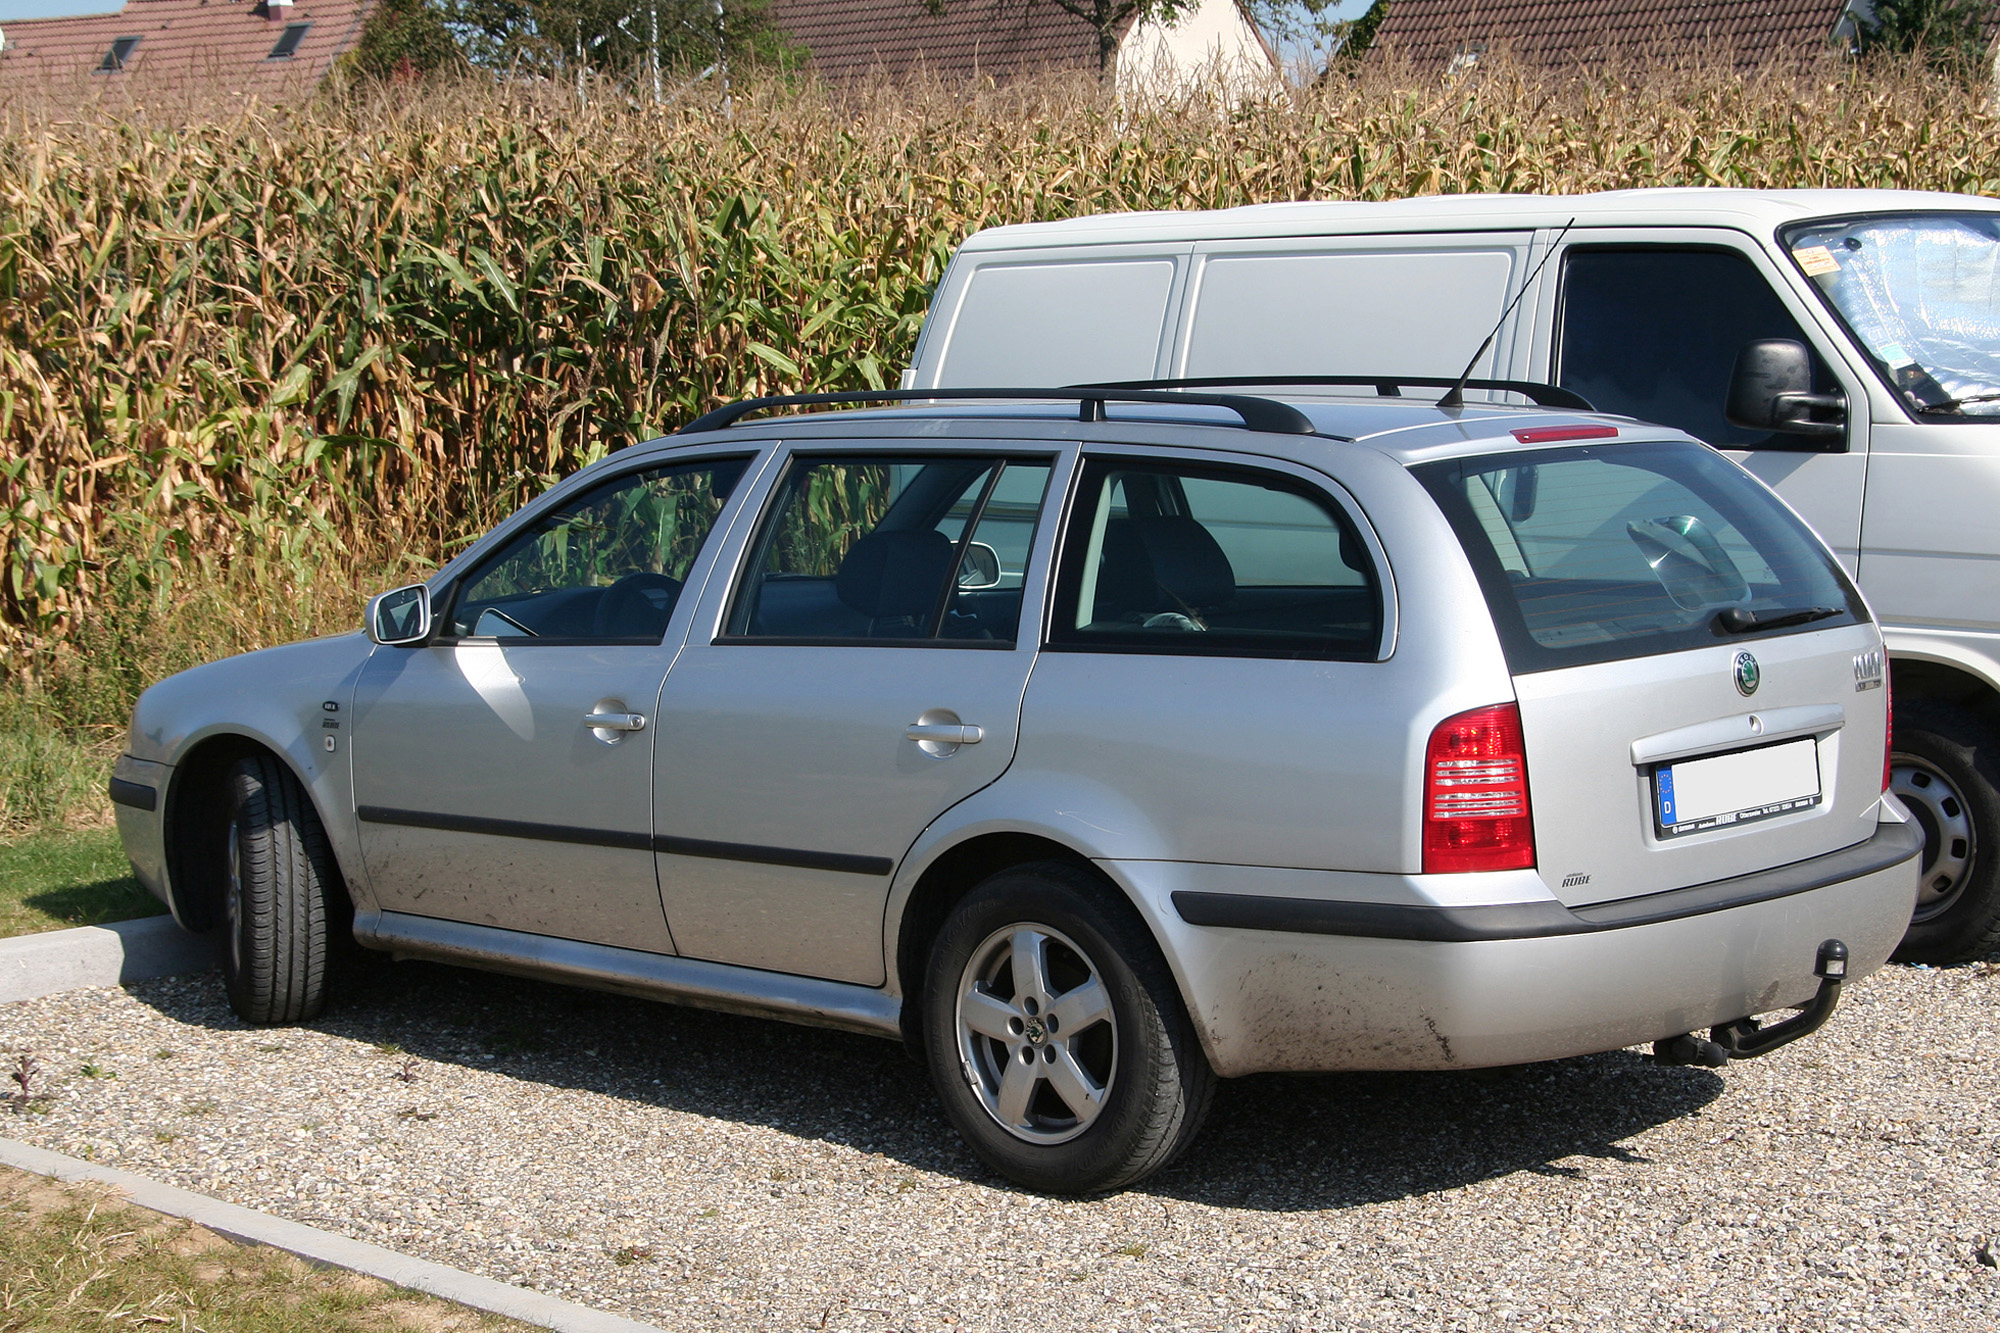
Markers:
point(1921, 295)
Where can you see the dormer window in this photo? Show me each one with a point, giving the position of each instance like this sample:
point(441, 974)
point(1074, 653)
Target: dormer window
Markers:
point(288, 41)
point(120, 52)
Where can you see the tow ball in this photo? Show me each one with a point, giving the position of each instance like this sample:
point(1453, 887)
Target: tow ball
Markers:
point(1746, 1038)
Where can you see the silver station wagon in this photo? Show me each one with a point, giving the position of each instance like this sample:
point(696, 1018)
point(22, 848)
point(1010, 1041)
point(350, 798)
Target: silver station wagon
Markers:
point(1095, 742)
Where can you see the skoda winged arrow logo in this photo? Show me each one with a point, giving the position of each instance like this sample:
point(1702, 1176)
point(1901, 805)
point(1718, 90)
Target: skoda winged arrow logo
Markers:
point(1746, 673)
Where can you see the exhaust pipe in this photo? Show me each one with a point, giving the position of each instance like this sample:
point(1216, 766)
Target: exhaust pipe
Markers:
point(1745, 1038)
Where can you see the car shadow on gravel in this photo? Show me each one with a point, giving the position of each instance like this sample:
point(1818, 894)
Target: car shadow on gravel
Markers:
point(1274, 1142)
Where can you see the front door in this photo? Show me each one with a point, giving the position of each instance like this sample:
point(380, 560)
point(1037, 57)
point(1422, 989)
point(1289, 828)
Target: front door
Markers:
point(1650, 325)
point(503, 772)
point(865, 675)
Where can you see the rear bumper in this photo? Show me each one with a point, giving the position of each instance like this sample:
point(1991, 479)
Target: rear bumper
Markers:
point(1448, 988)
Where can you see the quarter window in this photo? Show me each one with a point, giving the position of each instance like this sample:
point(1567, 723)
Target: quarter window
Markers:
point(1170, 559)
point(910, 549)
point(607, 566)
point(1654, 334)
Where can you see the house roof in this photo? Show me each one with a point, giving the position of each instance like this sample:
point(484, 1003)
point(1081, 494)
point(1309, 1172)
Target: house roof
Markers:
point(218, 43)
point(1003, 39)
point(1548, 32)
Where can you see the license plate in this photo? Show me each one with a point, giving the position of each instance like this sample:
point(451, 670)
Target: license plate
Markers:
point(1694, 795)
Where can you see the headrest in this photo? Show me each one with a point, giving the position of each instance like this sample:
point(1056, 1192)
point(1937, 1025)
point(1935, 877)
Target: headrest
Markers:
point(1186, 560)
point(887, 575)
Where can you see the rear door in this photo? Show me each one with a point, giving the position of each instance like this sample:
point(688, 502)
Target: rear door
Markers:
point(1699, 685)
point(862, 674)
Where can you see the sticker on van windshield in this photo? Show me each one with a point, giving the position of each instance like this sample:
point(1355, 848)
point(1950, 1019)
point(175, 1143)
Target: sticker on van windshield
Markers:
point(1894, 357)
point(1815, 260)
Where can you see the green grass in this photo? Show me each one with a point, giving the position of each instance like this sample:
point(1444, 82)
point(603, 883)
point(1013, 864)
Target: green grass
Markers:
point(72, 1260)
point(51, 881)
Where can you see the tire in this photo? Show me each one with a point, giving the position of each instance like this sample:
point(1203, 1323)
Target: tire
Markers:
point(1945, 767)
point(1119, 1084)
point(279, 871)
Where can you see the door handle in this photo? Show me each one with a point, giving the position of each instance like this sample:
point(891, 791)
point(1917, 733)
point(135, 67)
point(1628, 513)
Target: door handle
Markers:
point(615, 721)
point(945, 733)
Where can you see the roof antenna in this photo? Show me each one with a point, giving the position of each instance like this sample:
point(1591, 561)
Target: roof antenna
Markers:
point(1455, 395)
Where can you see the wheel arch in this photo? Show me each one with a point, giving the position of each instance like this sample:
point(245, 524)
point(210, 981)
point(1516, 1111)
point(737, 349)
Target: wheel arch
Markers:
point(1916, 677)
point(193, 803)
point(950, 875)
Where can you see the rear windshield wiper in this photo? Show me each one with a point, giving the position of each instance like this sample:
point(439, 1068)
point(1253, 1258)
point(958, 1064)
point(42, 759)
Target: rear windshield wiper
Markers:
point(1737, 620)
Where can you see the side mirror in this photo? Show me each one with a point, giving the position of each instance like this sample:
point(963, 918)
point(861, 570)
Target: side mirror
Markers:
point(1771, 389)
point(980, 569)
point(400, 617)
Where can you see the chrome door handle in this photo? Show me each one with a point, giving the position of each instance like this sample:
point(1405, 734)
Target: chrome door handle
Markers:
point(945, 733)
point(615, 721)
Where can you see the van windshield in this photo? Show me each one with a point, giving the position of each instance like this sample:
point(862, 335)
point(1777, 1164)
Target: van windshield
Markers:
point(1604, 552)
point(1921, 296)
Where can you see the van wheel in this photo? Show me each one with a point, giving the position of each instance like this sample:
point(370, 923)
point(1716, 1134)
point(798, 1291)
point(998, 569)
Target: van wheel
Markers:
point(275, 911)
point(1055, 1034)
point(1945, 767)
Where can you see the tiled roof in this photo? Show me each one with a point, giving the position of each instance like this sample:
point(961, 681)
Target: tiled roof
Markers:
point(1548, 32)
point(1002, 39)
point(224, 44)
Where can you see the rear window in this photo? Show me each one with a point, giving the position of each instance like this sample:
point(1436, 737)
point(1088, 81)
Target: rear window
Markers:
point(1599, 553)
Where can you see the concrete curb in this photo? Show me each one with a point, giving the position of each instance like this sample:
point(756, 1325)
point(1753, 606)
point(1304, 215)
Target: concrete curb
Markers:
point(482, 1293)
point(32, 966)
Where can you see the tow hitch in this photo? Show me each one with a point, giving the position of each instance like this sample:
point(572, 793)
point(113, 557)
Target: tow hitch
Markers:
point(1746, 1038)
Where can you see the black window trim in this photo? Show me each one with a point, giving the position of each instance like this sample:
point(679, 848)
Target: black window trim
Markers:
point(1776, 441)
point(909, 451)
point(1070, 545)
point(1784, 236)
point(445, 603)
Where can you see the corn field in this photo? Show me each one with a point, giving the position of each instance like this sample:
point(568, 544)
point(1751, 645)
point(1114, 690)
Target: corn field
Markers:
point(243, 350)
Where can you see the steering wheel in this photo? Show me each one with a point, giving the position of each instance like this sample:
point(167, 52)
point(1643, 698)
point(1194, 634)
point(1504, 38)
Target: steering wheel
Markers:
point(636, 606)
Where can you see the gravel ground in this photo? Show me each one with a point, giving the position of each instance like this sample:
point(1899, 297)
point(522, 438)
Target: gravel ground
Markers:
point(701, 1171)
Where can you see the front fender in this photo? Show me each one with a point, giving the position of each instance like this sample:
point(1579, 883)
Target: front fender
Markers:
point(277, 698)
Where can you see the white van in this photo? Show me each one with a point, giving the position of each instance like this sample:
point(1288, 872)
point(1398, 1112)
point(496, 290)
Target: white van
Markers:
point(1879, 422)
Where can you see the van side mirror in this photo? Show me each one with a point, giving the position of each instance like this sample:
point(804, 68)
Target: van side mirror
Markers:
point(1771, 389)
point(400, 617)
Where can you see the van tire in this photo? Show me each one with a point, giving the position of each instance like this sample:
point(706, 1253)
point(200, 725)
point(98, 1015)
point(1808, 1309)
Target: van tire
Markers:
point(1139, 1047)
point(1945, 768)
point(278, 873)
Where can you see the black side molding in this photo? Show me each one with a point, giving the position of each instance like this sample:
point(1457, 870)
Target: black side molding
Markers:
point(1892, 845)
point(135, 794)
point(845, 862)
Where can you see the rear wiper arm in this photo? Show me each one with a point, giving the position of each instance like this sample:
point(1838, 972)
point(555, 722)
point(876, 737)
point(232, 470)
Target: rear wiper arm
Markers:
point(1737, 620)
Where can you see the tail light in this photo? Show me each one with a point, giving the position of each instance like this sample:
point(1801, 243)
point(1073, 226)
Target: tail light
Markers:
point(1476, 794)
point(1888, 727)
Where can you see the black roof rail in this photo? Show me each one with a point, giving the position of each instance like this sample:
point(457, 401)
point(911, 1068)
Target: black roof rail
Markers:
point(1258, 414)
point(1387, 386)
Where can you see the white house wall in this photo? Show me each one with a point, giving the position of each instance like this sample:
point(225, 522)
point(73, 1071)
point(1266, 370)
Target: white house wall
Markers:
point(1213, 45)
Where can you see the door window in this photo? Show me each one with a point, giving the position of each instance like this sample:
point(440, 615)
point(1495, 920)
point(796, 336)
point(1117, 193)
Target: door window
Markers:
point(1163, 558)
point(604, 567)
point(1654, 334)
point(897, 549)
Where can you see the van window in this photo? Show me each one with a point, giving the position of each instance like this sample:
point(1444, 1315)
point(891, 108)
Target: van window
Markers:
point(1654, 333)
point(1042, 324)
point(1364, 312)
point(1602, 553)
point(1235, 562)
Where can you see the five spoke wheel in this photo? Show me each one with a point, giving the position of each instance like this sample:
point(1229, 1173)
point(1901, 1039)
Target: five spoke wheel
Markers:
point(1037, 1033)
